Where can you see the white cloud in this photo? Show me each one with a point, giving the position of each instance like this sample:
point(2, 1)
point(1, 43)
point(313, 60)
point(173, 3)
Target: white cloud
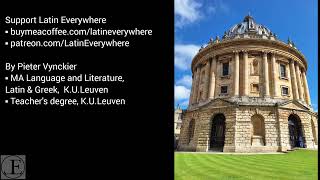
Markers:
point(315, 107)
point(186, 11)
point(186, 80)
point(183, 54)
point(181, 92)
point(184, 103)
point(216, 6)
point(190, 11)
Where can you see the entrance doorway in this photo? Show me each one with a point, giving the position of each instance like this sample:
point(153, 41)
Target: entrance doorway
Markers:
point(295, 132)
point(217, 136)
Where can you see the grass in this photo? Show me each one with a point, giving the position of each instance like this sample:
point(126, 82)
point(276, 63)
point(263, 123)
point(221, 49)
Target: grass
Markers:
point(296, 165)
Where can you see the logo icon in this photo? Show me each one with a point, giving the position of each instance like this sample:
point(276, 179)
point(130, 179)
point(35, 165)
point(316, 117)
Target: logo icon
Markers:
point(13, 167)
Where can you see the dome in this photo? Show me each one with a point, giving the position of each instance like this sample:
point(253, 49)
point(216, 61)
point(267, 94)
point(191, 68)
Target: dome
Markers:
point(248, 29)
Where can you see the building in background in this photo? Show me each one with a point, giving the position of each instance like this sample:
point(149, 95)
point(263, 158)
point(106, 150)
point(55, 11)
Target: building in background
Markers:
point(178, 114)
point(249, 94)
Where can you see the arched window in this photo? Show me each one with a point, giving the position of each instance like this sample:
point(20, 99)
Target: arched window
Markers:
point(191, 129)
point(258, 130)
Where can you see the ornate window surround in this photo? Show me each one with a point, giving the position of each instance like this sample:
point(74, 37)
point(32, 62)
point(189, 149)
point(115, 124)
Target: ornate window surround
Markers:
point(252, 89)
point(284, 86)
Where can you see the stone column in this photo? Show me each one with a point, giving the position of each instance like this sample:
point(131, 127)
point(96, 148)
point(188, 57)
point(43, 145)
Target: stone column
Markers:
point(218, 65)
point(236, 75)
point(192, 89)
point(291, 91)
point(206, 80)
point(274, 74)
point(213, 77)
point(282, 116)
point(246, 74)
point(306, 88)
point(199, 83)
point(196, 85)
point(266, 74)
point(299, 81)
point(293, 80)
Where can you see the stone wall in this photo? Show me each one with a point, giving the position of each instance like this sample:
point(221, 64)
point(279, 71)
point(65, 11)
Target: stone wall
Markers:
point(314, 120)
point(314, 127)
point(177, 121)
point(244, 129)
point(239, 128)
point(203, 120)
point(305, 118)
point(185, 143)
point(205, 124)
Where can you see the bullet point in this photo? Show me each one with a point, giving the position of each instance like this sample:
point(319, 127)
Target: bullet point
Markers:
point(6, 32)
point(6, 78)
point(6, 101)
point(6, 43)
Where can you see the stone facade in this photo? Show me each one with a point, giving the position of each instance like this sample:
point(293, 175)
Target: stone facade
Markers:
point(249, 94)
point(177, 122)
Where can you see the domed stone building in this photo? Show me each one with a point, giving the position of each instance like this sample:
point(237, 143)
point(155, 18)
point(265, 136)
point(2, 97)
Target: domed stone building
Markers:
point(249, 94)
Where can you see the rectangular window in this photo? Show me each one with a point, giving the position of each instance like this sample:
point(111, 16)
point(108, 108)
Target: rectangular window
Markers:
point(283, 71)
point(284, 91)
point(255, 88)
point(225, 69)
point(224, 89)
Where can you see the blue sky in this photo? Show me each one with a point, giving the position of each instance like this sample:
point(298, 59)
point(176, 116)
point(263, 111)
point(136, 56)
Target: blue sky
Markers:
point(198, 20)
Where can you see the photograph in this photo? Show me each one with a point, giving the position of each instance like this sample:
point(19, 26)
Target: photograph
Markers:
point(246, 89)
point(178, 89)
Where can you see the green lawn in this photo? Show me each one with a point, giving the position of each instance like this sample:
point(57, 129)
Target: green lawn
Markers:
point(299, 164)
